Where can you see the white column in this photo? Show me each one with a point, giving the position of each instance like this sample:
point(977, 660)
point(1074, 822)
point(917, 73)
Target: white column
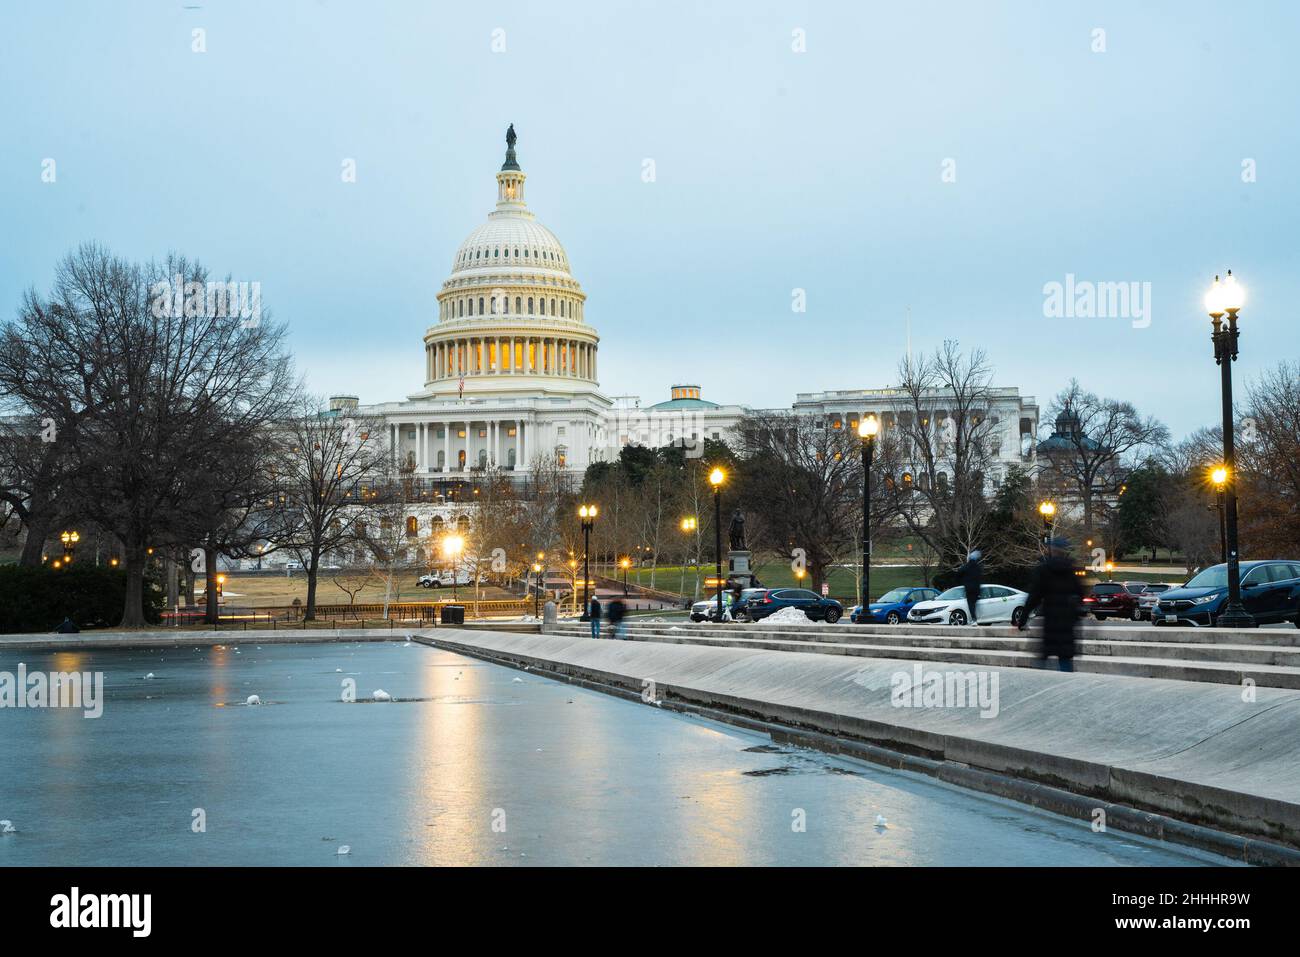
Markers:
point(446, 446)
point(419, 446)
point(523, 445)
point(492, 442)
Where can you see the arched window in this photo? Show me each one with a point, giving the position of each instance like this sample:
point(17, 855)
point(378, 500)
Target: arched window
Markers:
point(480, 305)
point(525, 253)
point(471, 307)
point(460, 460)
point(561, 308)
point(482, 458)
point(462, 307)
point(435, 525)
point(530, 301)
point(552, 307)
point(496, 253)
point(519, 306)
point(561, 456)
point(412, 526)
point(462, 524)
point(541, 306)
point(510, 458)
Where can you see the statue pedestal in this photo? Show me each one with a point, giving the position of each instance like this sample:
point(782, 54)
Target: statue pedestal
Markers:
point(738, 568)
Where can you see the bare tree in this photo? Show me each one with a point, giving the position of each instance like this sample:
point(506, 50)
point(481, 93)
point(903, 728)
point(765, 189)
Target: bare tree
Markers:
point(334, 456)
point(1268, 463)
point(801, 483)
point(153, 388)
point(1096, 442)
point(938, 443)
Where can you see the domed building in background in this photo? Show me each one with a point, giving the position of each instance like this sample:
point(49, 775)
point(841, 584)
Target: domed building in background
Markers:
point(510, 364)
point(510, 373)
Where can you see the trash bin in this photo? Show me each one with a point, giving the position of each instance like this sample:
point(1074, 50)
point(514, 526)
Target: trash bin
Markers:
point(453, 615)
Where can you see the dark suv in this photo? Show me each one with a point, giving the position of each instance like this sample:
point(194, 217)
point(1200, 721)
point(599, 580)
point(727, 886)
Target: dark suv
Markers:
point(1270, 590)
point(768, 601)
point(1115, 600)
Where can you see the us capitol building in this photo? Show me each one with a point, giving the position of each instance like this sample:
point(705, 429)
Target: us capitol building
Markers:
point(511, 369)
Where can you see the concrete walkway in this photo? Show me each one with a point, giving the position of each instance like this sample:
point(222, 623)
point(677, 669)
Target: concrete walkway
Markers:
point(1197, 753)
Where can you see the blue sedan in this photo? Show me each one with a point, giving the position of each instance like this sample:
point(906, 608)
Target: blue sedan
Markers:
point(892, 607)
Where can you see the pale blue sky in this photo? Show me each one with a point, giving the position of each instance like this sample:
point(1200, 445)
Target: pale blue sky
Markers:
point(776, 170)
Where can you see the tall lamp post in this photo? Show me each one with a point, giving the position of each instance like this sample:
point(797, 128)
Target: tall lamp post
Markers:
point(69, 540)
point(1227, 298)
point(1220, 478)
point(626, 563)
point(867, 430)
point(537, 590)
point(716, 478)
point(451, 546)
point(587, 515)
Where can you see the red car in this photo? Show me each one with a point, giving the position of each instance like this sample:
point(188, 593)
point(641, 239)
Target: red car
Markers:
point(1115, 600)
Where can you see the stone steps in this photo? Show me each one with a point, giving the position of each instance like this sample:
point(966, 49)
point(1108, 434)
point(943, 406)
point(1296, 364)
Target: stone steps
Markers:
point(1267, 666)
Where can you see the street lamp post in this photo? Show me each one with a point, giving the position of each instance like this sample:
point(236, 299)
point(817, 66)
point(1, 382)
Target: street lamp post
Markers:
point(587, 516)
point(451, 546)
point(625, 562)
point(1227, 298)
point(1220, 477)
point(69, 540)
point(537, 590)
point(689, 525)
point(716, 478)
point(1048, 511)
point(867, 430)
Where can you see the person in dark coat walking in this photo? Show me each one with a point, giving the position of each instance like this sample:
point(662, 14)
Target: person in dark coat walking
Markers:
point(1058, 590)
point(971, 576)
point(615, 614)
point(593, 611)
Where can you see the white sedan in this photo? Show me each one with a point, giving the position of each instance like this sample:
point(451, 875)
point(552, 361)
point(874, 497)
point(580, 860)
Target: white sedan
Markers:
point(995, 603)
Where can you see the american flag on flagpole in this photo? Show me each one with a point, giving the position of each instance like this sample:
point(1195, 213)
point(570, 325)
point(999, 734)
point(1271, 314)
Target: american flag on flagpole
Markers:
point(461, 387)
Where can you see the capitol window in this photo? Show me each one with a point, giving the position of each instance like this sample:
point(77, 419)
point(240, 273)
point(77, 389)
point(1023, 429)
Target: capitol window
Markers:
point(530, 300)
point(496, 253)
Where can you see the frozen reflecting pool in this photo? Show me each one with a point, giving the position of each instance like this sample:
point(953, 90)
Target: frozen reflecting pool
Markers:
point(470, 763)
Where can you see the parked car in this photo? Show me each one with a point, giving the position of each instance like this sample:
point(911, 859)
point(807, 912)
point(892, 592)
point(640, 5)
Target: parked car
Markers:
point(758, 603)
point(1148, 597)
point(1270, 591)
point(443, 579)
point(707, 607)
point(892, 607)
point(1114, 600)
point(995, 603)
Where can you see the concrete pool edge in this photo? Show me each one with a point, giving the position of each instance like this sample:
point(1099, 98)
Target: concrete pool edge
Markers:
point(1149, 807)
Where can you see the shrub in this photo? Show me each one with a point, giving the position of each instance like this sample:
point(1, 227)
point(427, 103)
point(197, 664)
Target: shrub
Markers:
point(38, 599)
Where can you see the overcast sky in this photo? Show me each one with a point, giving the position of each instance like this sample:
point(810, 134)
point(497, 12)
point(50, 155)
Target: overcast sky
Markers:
point(774, 170)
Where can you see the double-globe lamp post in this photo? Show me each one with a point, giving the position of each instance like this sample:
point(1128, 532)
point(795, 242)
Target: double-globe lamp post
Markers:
point(451, 548)
point(587, 516)
point(868, 428)
point(1225, 299)
point(716, 478)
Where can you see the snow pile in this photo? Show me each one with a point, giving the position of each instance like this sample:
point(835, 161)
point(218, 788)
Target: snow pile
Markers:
point(788, 615)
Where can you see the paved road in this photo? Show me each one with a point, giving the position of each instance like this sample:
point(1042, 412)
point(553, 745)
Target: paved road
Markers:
point(471, 763)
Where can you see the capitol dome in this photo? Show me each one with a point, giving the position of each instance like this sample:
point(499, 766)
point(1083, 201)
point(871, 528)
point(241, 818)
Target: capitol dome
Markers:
point(510, 315)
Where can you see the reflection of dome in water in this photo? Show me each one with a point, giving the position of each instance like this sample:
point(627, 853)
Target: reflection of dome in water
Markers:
point(510, 315)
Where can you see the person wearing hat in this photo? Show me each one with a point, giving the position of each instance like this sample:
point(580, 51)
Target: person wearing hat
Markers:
point(1058, 589)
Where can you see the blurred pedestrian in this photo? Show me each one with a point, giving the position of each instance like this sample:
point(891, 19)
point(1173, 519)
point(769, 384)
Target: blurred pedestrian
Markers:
point(971, 576)
point(1058, 590)
point(616, 612)
point(593, 612)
